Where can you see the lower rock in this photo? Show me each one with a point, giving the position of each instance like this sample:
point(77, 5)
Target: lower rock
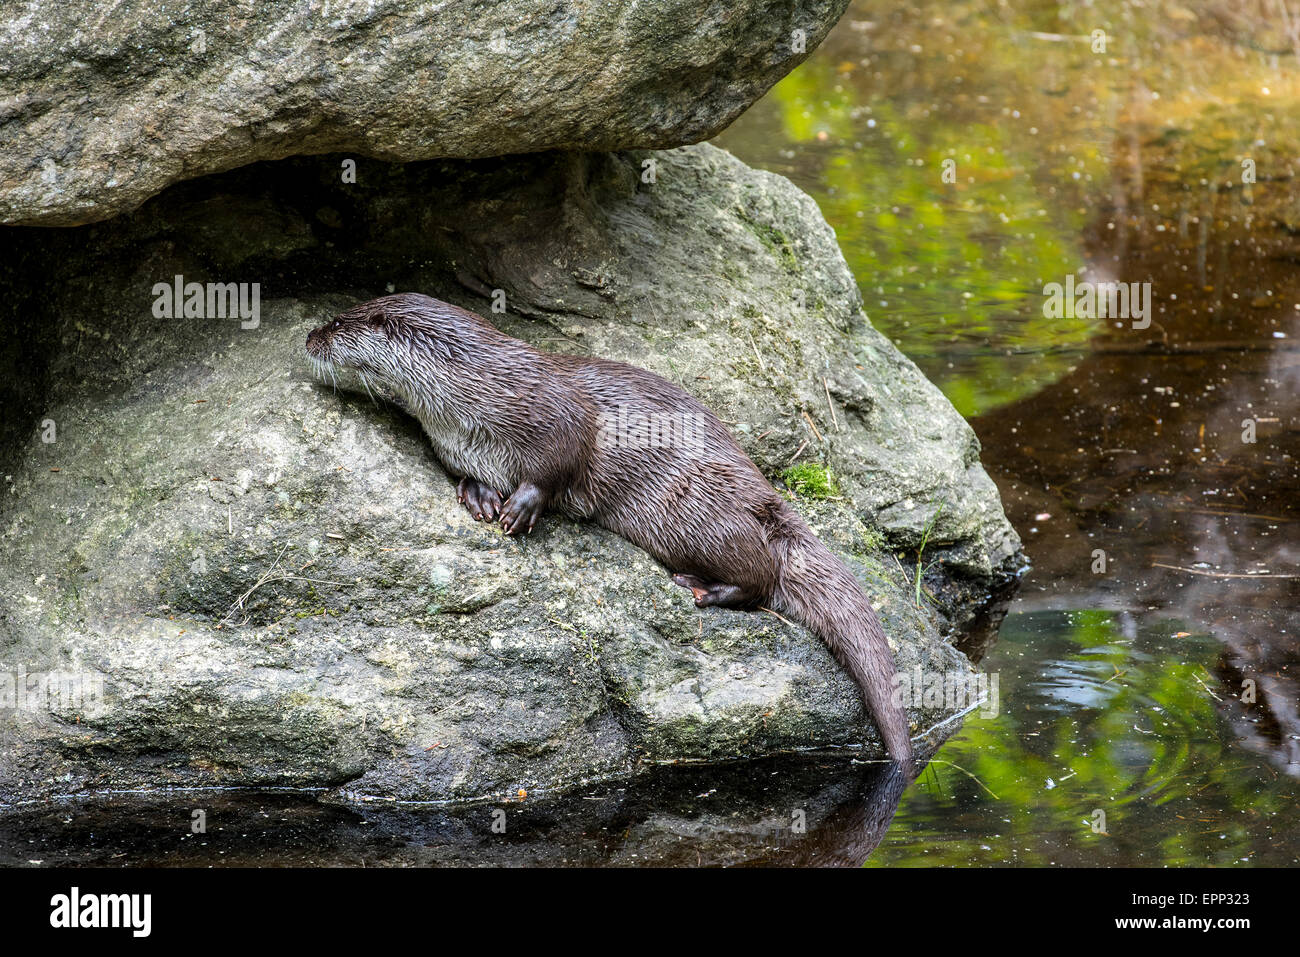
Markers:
point(257, 581)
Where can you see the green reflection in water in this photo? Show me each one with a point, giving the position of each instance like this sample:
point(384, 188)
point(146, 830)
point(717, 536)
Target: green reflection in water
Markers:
point(944, 268)
point(1056, 149)
point(1092, 721)
point(972, 257)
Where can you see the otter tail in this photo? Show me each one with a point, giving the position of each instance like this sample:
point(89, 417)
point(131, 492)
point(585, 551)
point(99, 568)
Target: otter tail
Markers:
point(816, 588)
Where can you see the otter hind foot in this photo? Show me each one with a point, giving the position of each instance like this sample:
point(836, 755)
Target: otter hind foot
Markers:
point(481, 501)
point(717, 594)
point(522, 509)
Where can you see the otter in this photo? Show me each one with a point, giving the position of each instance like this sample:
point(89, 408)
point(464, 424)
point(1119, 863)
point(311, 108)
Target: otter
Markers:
point(523, 431)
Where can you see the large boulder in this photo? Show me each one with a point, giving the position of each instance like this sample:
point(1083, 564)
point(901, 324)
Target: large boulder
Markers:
point(101, 109)
point(272, 584)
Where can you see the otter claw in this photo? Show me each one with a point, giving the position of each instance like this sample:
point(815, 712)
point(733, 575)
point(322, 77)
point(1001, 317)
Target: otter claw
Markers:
point(521, 511)
point(479, 500)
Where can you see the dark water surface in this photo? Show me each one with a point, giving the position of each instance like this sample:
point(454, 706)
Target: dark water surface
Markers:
point(1149, 668)
point(798, 814)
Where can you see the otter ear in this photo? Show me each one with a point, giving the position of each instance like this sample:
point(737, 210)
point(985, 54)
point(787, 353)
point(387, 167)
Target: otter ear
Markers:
point(382, 323)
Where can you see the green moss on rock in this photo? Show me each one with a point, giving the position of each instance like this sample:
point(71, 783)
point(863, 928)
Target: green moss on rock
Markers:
point(810, 480)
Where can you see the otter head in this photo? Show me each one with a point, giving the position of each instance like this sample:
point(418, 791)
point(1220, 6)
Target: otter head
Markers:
point(408, 345)
point(374, 343)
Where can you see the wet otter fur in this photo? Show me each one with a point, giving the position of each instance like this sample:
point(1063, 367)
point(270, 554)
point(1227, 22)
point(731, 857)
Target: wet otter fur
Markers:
point(524, 430)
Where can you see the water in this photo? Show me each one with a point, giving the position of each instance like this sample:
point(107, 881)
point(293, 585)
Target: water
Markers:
point(800, 813)
point(1152, 472)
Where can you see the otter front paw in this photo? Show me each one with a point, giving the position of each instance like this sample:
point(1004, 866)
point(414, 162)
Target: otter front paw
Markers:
point(479, 500)
point(522, 509)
